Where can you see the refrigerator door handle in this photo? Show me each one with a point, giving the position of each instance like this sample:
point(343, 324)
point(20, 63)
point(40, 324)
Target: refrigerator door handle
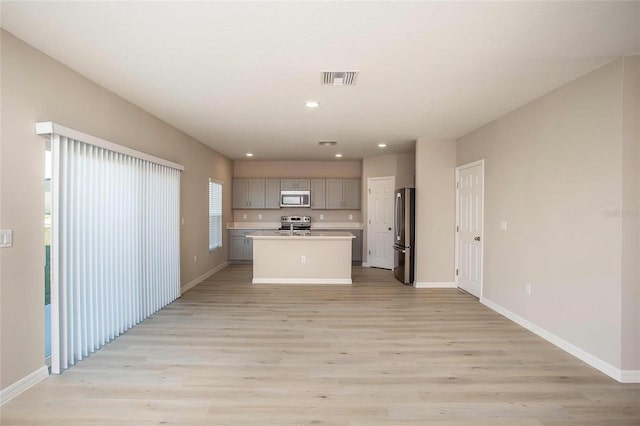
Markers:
point(397, 217)
point(400, 249)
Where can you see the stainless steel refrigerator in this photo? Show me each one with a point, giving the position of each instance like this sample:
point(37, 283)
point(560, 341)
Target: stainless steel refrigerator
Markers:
point(405, 239)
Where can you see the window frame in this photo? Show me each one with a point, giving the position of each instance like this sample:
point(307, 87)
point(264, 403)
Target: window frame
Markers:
point(213, 248)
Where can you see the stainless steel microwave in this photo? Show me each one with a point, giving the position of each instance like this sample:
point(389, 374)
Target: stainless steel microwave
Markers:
point(295, 198)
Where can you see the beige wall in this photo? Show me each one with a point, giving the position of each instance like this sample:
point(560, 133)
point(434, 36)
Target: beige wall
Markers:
point(435, 210)
point(35, 88)
point(297, 169)
point(406, 170)
point(631, 215)
point(400, 166)
point(553, 171)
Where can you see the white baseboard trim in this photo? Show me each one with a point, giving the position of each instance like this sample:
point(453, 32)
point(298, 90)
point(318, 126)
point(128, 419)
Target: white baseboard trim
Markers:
point(346, 281)
point(630, 376)
point(15, 389)
point(623, 376)
point(365, 265)
point(202, 277)
point(434, 284)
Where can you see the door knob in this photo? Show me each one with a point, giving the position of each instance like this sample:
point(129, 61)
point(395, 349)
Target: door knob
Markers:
point(477, 238)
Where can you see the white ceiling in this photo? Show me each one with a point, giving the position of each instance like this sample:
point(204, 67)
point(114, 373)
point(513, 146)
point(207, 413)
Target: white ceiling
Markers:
point(235, 75)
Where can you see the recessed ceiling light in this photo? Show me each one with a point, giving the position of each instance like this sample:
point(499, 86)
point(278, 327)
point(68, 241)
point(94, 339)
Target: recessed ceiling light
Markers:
point(382, 145)
point(249, 154)
point(338, 155)
point(312, 104)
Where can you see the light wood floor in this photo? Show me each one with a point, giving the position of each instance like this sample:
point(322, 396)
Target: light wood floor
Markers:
point(375, 353)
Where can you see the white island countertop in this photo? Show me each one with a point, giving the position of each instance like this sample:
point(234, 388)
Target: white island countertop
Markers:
point(315, 226)
point(301, 235)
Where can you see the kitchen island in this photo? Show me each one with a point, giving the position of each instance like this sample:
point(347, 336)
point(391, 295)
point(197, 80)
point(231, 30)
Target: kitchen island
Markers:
point(301, 257)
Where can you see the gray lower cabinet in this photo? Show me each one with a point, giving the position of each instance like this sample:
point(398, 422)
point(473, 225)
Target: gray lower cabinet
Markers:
point(318, 194)
point(342, 194)
point(240, 247)
point(356, 246)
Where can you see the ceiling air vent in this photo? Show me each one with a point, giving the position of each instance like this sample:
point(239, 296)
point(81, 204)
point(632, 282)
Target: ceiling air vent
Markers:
point(327, 143)
point(339, 78)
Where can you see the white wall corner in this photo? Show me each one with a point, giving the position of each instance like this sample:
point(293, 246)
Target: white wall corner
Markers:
point(202, 277)
point(23, 384)
point(434, 284)
point(592, 360)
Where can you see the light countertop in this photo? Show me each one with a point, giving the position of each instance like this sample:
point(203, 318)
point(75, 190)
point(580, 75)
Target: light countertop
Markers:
point(336, 225)
point(276, 225)
point(253, 225)
point(302, 235)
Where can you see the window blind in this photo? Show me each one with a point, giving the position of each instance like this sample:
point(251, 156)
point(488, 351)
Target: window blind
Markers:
point(115, 245)
point(215, 214)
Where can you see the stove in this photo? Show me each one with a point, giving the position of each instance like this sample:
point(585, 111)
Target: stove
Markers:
point(299, 223)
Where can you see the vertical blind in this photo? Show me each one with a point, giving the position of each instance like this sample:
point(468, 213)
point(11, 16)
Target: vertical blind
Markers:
point(115, 245)
point(215, 214)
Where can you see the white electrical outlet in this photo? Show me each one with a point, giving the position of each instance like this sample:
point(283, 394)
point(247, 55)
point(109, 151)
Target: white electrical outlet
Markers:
point(244, 216)
point(527, 289)
point(195, 259)
point(260, 216)
point(350, 217)
point(182, 221)
point(6, 237)
point(503, 225)
point(303, 259)
point(321, 217)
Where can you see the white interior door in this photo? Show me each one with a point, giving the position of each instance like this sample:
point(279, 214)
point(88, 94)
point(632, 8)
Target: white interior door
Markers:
point(469, 230)
point(380, 222)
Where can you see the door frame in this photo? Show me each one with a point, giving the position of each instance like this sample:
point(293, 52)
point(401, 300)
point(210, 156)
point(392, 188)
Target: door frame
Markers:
point(367, 223)
point(455, 231)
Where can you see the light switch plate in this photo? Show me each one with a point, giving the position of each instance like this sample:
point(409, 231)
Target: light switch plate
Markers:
point(259, 216)
point(6, 237)
point(503, 225)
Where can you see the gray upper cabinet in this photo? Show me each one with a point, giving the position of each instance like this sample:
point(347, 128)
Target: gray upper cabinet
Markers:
point(248, 193)
point(325, 193)
point(333, 193)
point(272, 194)
point(318, 194)
point(351, 193)
point(295, 184)
point(342, 194)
